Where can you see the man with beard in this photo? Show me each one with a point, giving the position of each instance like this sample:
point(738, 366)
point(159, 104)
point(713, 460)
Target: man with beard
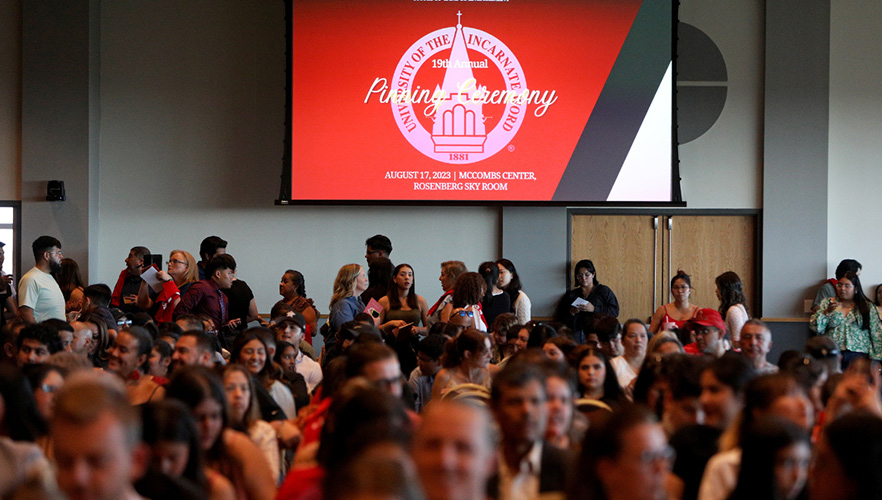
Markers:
point(39, 297)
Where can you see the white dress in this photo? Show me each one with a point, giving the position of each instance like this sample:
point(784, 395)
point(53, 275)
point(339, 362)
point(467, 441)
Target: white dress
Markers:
point(736, 316)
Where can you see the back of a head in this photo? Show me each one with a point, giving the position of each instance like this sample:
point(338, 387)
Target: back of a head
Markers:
point(205, 343)
point(87, 396)
point(733, 370)
point(683, 373)
point(432, 346)
point(847, 265)
point(20, 418)
point(856, 441)
point(99, 293)
point(606, 327)
point(210, 246)
point(361, 354)
point(379, 242)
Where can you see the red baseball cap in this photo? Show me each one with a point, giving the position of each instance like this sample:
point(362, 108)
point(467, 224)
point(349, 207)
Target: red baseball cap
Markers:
point(707, 317)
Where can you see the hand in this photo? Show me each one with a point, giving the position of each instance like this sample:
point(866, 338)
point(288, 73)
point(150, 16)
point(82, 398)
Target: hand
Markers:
point(832, 307)
point(288, 434)
point(589, 307)
point(130, 299)
point(670, 326)
point(163, 276)
point(8, 279)
point(856, 392)
point(233, 323)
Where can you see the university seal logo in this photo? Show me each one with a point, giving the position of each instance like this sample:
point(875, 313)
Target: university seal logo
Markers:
point(463, 119)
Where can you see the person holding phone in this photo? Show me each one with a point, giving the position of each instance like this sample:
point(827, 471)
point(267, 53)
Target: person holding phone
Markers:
point(125, 293)
point(850, 320)
point(402, 302)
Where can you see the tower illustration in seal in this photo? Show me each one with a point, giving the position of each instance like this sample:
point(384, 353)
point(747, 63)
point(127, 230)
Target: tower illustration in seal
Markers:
point(459, 120)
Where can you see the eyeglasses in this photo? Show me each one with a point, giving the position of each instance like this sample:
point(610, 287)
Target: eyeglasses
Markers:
point(844, 285)
point(667, 454)
point(470, 314)
point(173, 261)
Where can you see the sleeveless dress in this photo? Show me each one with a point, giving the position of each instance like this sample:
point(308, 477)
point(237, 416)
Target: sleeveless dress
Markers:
point(411, 316)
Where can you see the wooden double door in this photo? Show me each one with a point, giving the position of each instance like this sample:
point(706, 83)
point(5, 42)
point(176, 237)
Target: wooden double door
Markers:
point(637, 255)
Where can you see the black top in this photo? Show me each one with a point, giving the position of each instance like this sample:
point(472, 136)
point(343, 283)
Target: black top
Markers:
point(240, 296)
point(601, 296)
point(496, 305)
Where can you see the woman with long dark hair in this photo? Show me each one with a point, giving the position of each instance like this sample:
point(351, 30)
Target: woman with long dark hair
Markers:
point(402, 302)
point(466, 361)
point(292, 288)
point(597, 377)
point(851, 320)
point(578, 306)
point(733, 304)
point(774, 461)
point(228, 452)
point(510, 283)
point(495, 301)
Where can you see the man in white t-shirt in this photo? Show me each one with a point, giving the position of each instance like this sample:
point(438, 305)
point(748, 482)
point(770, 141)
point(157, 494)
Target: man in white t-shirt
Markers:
point(39, 297)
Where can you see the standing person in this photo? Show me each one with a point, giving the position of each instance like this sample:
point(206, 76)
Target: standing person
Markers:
point(377, 246)
point(495, 301)
point(39, 296)
point(379, 275)
point(71, 283)
point(733, 305)
point(850, 320)
point(634, 340)
point(180, 275)
point(402, 302)
point(128, 285)
point(346, 301)
point(578, 306)
point(510, 283)
point(468, 290)
point(673, 315)
point(450, 270)
point(206, 297)
point(7, 291)
point(210, 248)
point(828, 289)
point(292, 288)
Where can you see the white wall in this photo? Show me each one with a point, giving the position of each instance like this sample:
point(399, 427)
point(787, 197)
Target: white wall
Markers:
point(723, 168)
point(854, 216)
point(192, 109)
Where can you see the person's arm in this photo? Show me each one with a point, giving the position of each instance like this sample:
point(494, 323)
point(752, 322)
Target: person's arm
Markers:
point(253, 315)
point(441, 381)
point(657, 318)
point(311, 318)
point(26, 314)
point(564, 315)
point(253, 464)
point(10, 306)
point(384, 303)
point(144, 300)
point(523, 308)
point(445, 313)
point(189, 299)
point(605, 301)
point(820, 320)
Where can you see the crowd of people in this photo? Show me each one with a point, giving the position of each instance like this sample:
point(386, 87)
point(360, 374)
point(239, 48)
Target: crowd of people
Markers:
point(171, 385)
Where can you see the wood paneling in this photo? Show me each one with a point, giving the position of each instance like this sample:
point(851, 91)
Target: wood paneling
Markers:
point(707, 246)
point(622, 249)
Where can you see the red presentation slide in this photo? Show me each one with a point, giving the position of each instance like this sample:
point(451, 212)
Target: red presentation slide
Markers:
point(479, 101)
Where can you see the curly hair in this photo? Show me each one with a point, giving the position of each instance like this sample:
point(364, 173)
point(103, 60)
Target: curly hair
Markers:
point(468, 290)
